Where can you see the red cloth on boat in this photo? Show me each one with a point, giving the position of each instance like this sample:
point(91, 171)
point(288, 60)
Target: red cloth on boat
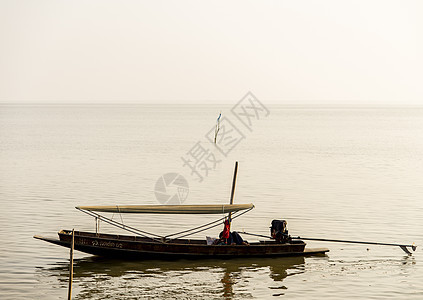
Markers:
point(226, 230)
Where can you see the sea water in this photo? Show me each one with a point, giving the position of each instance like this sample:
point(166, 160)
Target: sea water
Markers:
point(351, 173)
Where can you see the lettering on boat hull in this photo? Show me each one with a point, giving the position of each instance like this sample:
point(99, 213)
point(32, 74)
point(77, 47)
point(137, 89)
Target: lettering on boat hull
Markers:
point(107, 244)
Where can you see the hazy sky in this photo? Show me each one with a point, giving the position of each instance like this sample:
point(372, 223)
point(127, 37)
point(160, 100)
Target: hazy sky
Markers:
point(211, 51)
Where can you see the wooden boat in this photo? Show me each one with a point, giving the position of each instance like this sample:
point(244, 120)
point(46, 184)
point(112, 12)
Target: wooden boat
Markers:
point(120, 246)
point(144, 247)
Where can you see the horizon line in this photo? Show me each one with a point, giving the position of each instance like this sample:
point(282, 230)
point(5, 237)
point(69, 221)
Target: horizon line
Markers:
point(287, 105)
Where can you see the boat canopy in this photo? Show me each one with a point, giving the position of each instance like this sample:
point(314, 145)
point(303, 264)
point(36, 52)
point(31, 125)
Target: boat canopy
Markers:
point(170, 209)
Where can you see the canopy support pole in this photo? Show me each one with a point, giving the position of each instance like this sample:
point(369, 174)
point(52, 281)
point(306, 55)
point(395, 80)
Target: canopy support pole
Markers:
point(96, 225)
point(206, 228)
point(122, 226)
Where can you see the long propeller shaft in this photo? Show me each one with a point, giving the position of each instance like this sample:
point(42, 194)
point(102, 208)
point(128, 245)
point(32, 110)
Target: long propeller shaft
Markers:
point(402, 246)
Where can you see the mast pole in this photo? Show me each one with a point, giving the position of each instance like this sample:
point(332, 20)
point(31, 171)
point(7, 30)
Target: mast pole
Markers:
point(233, 190)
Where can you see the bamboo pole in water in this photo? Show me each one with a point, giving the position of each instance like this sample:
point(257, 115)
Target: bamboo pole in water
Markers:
point(71, 265)
point(216, 130)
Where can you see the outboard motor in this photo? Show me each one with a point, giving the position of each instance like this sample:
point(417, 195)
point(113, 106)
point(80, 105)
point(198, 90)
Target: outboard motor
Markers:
point(279, 231)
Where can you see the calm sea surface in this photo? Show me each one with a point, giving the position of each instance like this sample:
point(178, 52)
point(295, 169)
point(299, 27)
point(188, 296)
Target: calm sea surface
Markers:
point(343, 173)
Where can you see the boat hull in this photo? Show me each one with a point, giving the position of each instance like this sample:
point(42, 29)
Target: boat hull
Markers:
point(122, 246)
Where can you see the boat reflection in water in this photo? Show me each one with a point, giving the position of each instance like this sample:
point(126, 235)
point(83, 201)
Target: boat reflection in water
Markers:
point(100, 278)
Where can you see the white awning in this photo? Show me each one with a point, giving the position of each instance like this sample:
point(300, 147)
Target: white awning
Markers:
point(169, 209)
